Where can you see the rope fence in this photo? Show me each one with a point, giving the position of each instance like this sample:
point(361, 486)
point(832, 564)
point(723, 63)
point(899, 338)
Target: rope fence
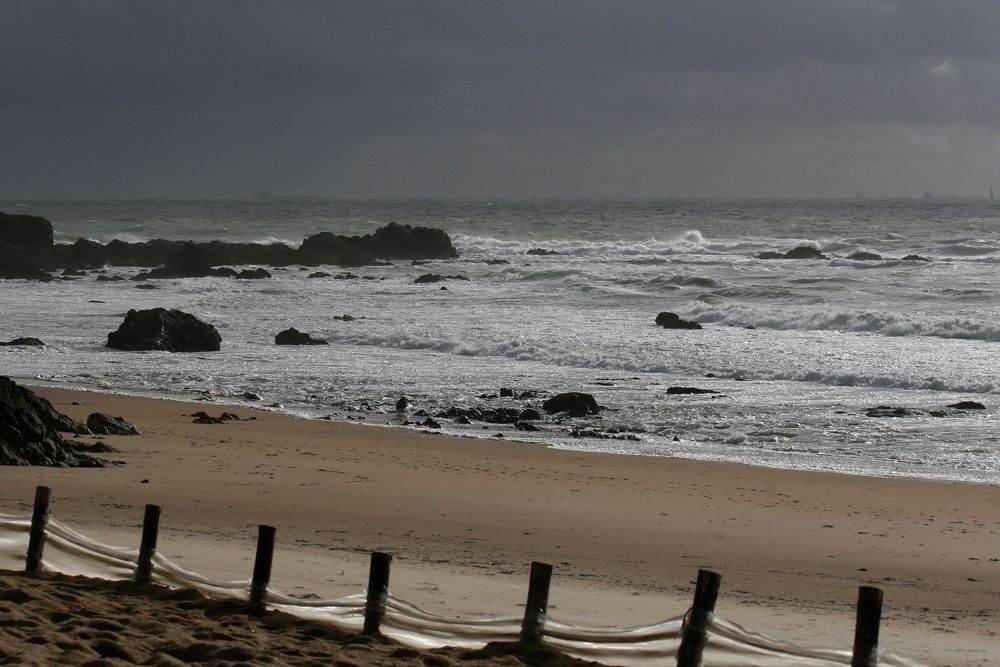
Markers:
point(698, 637)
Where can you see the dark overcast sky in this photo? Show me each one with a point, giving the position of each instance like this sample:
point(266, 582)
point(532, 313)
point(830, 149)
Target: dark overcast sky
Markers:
point(724, 98)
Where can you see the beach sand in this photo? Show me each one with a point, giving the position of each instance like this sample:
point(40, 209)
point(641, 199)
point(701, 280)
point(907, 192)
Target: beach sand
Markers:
point(464, 518)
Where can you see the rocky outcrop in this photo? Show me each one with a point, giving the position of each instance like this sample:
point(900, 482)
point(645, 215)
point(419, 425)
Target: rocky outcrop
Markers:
point(690, 390)
point(177, 259)
point(542, 252)
point(801, 252)
point(576, 403)
point(167, 330)
point(669, 320)
point(25, 342)
point(29, 431)
point(864, 256)
point(14, 268)
point(293, 336)
point(804, 252)
point(436, 278)
point(30, 231)
point(102, 424)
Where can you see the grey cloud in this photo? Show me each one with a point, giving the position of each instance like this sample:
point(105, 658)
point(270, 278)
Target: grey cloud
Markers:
point(475, 98)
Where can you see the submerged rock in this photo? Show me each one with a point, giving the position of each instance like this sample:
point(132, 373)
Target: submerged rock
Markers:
point(293, 336)
point(804, 252)
point(575, 402)
point(669, 320)
point(690, 390)
point(167, 330)
point(27, 341)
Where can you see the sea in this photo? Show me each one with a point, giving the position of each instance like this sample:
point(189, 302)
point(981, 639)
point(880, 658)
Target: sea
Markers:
point(796, 351)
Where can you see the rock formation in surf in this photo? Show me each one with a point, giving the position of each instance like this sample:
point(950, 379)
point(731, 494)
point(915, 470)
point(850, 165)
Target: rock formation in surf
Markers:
point(167, 330)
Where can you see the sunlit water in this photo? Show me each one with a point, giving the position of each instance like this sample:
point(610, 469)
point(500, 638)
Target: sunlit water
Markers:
point(797, 349)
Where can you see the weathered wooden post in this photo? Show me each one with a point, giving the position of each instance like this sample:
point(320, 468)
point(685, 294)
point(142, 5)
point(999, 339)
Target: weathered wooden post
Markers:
point(36, 536)
point(538, 603)
point(695, 635)
point(261, 569)
point(147, 548)
point(866, 627)
point(378, 592)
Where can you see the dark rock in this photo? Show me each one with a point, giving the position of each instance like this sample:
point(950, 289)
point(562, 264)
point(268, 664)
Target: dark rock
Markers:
point(167, 330)
point(689, 390)
point(293, 336)
point(669, 320)
point(26, 342)
point(202, 417)
point(443, 288)
point(462, 419)
point(967, 405)
point(430, 423)
point(74, 272)
point(769, 254)
point(347, 275)
point(543, 252)
point(395, 241)
point(529, 414)
point(98, 447)
point(429, 278)
point(146, 286)
point(102, 424)
point(29, 431)
point(251, 396)
point(576, 403)
point(401, 404)
point(436, 278)
point(505, 392)
point(109, 279)
point(531, 393)
point(319, 274)
point(863, 256)
point(344, 318)
point(20, 269)
point(495, 262)
point(914, 258)
point(526, 426)
point(804, 252)
point(31, 231)
point(894, 412)
point(253, 274)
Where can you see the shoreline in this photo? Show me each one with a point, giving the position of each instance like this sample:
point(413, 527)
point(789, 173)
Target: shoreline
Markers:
point(225, 404)
point(464, 517)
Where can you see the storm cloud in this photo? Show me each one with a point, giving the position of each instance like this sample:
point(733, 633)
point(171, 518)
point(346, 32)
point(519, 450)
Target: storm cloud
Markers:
point(501, 99)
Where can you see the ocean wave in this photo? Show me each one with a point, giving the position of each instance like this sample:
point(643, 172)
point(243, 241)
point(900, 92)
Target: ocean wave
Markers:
point(968, 248)
point(862, 321)
point(557, 355)
point(687, 243)
point(880, 381)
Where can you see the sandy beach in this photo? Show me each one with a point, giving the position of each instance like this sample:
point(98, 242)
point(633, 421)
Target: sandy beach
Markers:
point(465, 517)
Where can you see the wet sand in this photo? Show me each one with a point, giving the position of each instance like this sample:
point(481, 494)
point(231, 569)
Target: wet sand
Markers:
point(464, 518)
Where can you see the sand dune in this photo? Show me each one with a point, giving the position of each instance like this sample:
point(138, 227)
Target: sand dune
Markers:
point(51, 619)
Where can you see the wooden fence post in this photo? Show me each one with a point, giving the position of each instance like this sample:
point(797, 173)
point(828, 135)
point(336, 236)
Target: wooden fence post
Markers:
point(147, 548)
point(866, 627)
point(695, 635)
point(378, 591)
point(537, 605)
point(36, 537)
point(261, 569)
